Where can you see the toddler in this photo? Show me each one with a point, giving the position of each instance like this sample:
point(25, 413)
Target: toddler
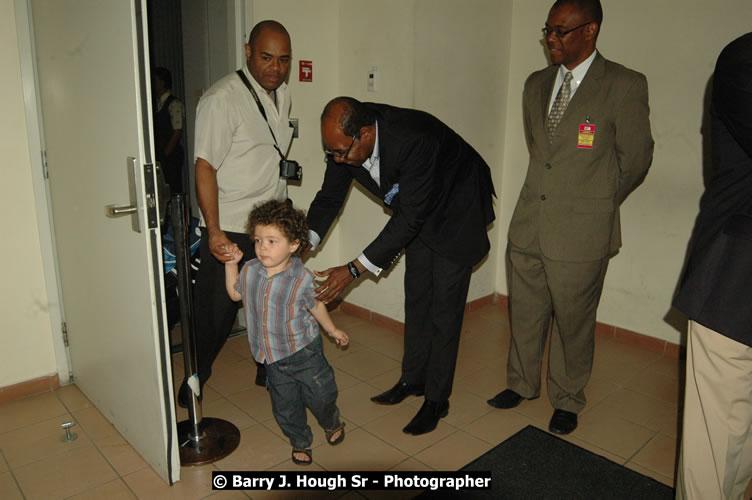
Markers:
point(281, 312)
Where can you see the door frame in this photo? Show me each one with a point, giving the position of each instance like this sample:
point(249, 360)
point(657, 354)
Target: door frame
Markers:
point(35, 135)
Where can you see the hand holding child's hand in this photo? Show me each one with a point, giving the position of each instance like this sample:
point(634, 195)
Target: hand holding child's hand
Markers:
point(340, 337)
point(236, 255)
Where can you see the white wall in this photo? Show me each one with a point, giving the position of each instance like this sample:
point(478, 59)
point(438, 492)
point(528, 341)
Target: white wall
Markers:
point(25, 336)
point(461, 60)
point(675, 44)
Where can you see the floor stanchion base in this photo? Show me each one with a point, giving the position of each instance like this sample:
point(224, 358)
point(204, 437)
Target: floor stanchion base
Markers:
point(220, 438)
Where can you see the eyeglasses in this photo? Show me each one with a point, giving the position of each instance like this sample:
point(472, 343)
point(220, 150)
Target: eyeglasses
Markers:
point(340, 154)
point(558, 31)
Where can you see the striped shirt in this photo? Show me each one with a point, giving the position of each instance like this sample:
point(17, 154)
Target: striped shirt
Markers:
point(277, 309)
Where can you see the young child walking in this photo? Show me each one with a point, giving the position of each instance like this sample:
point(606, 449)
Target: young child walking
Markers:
point(281, 312)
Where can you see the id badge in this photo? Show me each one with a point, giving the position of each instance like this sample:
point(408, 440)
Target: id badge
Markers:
point(586, 136)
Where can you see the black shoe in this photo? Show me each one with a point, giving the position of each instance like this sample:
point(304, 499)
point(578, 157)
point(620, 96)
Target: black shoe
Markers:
point(260, 375)
point(427, 418)
point(184, 395)
point(562, 422)
point(398, 393)
point(506, 399)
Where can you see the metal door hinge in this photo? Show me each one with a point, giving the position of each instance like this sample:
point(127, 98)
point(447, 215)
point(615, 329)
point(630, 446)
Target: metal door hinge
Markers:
point(64, 329)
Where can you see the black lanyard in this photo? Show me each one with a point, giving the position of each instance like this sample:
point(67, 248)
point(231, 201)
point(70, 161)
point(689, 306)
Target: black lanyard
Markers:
point(261, 108)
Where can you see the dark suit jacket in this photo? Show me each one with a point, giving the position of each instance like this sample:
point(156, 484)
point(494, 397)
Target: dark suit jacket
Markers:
point(571, 196)
point(445, 189)
point(716, 286)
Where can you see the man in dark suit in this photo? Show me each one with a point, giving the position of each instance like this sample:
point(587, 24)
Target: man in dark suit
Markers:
point(439, 191)
point(588, 133)
point(716, 294)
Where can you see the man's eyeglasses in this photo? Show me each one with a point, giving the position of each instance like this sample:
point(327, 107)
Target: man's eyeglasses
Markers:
point(559, 32)
point(340, 154)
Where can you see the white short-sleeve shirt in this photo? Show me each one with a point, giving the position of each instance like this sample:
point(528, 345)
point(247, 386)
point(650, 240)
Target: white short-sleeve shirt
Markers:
point(233, 137)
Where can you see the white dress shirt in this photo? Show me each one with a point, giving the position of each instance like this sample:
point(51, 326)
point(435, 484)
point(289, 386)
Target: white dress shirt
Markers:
point(578, 74)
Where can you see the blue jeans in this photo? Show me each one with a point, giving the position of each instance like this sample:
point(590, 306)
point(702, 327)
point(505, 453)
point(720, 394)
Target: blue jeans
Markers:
point(302, 380)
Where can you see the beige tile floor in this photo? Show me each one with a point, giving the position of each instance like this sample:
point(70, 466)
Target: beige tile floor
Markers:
point(631, 418)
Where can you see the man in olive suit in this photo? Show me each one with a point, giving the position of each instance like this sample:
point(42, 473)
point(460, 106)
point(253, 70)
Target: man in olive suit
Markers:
point(588, 133)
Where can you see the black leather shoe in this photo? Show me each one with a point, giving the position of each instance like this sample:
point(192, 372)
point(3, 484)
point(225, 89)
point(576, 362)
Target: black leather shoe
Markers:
point(427, 418)
point(562, 422)
point(506, 399)
point(398, 393)
point(184, 395)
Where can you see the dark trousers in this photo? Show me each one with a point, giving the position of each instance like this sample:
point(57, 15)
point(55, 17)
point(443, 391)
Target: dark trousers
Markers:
point(214, 312)
point(172, 167)
point(435, 295)
point(303, 380)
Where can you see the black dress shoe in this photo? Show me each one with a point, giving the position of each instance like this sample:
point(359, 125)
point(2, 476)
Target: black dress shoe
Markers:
point(184, 395)
point(398, 393)
point(506, 399)
point(427, 418)
point(562, 422)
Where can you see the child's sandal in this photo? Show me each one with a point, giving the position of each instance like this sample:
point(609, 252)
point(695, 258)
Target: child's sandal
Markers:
point(340, 438)
point(307, 452)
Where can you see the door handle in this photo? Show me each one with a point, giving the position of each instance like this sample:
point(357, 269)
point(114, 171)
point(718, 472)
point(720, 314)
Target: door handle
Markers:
point(132, 209)
point(116, 211)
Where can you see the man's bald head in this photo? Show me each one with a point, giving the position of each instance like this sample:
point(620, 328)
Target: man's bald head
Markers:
point(348, 130)
point(350, 115)
point(266, 25)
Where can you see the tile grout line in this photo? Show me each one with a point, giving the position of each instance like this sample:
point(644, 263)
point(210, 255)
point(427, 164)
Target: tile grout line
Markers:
point(12, 474)
point(653, 438)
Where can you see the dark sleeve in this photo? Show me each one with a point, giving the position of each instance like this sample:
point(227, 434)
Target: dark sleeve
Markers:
point(418, 167)
point(328, 201)
point(732, 91)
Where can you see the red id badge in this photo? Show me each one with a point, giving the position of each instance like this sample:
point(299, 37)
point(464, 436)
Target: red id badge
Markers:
point(586, 136)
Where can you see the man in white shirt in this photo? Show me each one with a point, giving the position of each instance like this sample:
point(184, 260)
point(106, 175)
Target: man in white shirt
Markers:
point(242, 133)
point(588, 132)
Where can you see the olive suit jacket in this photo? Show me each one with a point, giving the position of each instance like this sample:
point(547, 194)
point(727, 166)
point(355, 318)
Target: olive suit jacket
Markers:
point(571, 195)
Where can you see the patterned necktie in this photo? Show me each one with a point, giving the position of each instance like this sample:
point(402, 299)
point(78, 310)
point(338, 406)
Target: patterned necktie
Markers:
point(560, 105)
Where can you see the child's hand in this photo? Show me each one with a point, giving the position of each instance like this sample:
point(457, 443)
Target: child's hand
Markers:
point(236, 254)
point(340, 337)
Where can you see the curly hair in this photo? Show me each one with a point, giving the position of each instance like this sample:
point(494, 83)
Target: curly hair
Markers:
point(282, 215)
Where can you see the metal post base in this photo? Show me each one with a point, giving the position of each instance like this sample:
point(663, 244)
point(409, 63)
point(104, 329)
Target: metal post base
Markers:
point(219, 439)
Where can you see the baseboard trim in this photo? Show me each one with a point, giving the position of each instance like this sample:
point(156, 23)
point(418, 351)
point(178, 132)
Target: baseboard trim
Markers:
point(601, 329)
point(29, 388)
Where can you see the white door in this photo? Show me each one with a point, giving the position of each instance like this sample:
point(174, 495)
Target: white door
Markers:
point(95, 106)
